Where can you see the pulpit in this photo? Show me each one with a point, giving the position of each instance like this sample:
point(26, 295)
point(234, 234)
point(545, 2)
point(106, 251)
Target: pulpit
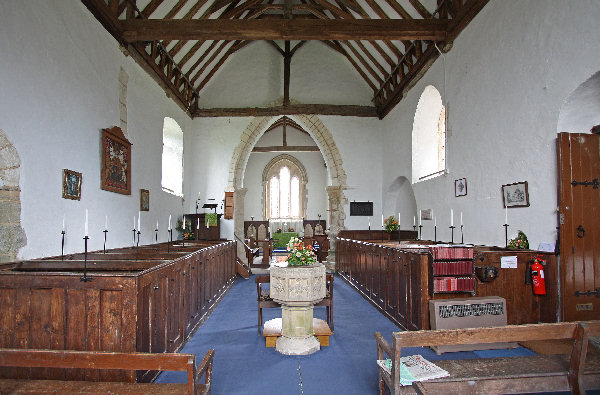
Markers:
point(203, 232)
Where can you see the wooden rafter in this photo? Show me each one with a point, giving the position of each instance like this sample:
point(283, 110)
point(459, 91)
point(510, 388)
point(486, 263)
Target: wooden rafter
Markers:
point(287, 148)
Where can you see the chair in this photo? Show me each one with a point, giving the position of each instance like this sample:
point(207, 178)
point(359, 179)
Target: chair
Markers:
point(264, 300)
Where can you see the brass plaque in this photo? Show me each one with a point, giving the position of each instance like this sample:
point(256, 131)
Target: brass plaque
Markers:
point(584, 307)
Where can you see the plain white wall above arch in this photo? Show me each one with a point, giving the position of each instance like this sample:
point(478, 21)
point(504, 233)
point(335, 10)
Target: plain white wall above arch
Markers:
point(581, 110)
point(400, 198)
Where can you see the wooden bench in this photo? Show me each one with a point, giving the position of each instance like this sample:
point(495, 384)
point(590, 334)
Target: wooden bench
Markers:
point(29, 358)
point(538, 373)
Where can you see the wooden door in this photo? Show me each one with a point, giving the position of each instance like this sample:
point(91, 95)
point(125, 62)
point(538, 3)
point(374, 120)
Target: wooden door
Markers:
point(579, 201)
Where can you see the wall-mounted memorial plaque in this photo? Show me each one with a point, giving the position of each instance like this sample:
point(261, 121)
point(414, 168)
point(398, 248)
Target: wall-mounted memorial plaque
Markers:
point(364, 209)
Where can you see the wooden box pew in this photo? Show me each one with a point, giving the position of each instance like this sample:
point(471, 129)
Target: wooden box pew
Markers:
point(103, 361)
point(539, 373)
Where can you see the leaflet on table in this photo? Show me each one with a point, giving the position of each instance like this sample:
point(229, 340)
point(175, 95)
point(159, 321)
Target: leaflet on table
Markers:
point(414, 368)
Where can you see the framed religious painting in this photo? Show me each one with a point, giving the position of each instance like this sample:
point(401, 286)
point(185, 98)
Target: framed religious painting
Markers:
point(144, 200)
point(515, 195)
point(460, 187)
point(71, 185)
point(116, 162)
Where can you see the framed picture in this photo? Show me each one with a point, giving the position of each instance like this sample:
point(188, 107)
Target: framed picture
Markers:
point(460, 187)
point(116, 162)
point(71, 184)
point(515, 195)
point(144, 200)
point(427, 214)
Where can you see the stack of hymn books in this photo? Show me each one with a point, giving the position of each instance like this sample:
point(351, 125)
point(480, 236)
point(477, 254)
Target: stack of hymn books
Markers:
point(414, 368)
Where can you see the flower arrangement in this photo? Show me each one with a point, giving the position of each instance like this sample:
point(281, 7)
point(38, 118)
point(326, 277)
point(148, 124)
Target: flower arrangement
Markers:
point(300, 255)
point(519, 243)
point(290, 229)
point(187, 232)
point(391, 224)
point(278, 230)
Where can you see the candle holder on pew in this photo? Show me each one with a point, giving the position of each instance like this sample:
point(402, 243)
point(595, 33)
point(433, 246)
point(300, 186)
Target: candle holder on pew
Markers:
point(156, 235)
point(506, 234)
point(105, 232)
point(85, 277)
point(462, 235)
point(134, 230)
point(420, 232)
point(435, 233)
point(62, 248)
point(137, 245)
point(452, 234)
point(169, 240)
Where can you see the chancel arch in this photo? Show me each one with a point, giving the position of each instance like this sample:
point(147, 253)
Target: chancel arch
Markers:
point(12, 235)
point(336, 175)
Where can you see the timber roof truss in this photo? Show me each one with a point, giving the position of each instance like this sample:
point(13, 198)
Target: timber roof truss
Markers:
point(183, 43)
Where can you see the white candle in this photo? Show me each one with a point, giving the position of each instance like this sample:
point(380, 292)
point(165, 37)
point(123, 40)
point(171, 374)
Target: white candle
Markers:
point(198, 224)
point(398, 219)
point(506, 215)
point(169, 222)
point(369, 223)
point(451, 217)
point(134, 222)
point(139, 215)
point(461, 223)
point(414, 221)
point(157, 224)
point(434, 221)
point(419, 217)
point(86, 223)
point(106, 222)
point(381, 219)
point(183, 226)
point(63, 222)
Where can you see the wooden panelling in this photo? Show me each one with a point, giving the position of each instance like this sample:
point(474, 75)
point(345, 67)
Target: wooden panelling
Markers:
point(397, 282)
point(146, 310)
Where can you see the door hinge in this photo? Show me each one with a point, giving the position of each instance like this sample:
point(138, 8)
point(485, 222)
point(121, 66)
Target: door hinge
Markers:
point(594, 183)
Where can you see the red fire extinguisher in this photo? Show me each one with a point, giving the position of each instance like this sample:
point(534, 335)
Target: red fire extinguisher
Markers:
point(537, 276)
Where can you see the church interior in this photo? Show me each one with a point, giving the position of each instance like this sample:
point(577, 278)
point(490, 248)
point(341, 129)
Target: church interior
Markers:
point(191, 167)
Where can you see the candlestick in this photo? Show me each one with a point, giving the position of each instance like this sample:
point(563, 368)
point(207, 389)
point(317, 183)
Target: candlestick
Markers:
point(452, 234)
point(451, 217)
point(137, 246)
point(462, 239)
point(105, 232)
point(506, 234)
point(62, 248)
point(85, 278)
point(435, 233)
point(156, 235)
point(86, 223)
point(420, 231)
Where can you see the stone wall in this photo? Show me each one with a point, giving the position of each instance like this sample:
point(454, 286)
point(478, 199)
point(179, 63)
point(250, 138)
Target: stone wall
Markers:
point(12, 235)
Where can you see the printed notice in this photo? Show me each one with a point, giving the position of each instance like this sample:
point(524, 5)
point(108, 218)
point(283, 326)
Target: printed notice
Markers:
point(508, 262)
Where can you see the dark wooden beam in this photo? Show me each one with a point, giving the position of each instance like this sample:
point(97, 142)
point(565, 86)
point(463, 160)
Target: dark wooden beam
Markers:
point(294, 109)
point(287, 148)
point(294, 29)
point(287, 60)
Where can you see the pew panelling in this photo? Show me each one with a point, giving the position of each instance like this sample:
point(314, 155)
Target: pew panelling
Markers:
point(152, 309)
point(397, 282)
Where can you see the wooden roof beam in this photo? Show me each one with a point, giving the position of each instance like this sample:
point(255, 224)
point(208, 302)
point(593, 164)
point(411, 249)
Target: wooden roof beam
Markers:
point(284, 29)
point(292, 109)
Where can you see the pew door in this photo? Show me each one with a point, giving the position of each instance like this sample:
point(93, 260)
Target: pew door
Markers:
point(579, 218)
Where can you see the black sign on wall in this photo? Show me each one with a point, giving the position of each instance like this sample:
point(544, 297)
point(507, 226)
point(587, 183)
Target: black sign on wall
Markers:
point(364, 209)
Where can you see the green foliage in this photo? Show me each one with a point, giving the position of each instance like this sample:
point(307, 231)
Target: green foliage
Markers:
point(519, 243)
point(391, 224)
point(300, 255)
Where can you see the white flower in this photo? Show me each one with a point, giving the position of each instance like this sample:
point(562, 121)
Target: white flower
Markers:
point(298, 254)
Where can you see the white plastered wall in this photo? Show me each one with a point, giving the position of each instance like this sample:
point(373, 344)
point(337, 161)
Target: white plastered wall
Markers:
point(508, 75)
point(58, 89)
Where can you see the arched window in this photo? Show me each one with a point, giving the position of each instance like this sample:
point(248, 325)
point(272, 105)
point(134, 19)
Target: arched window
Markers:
point(429, 136)
point(284, 179)
point(172, 157)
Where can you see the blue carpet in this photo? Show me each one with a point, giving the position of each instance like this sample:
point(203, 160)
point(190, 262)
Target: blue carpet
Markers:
point(243, 365)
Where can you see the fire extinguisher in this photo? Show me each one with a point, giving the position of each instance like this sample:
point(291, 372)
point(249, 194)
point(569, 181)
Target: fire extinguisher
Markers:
point(537, 276)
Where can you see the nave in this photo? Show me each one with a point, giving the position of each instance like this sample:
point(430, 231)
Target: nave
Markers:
point(243, 365)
